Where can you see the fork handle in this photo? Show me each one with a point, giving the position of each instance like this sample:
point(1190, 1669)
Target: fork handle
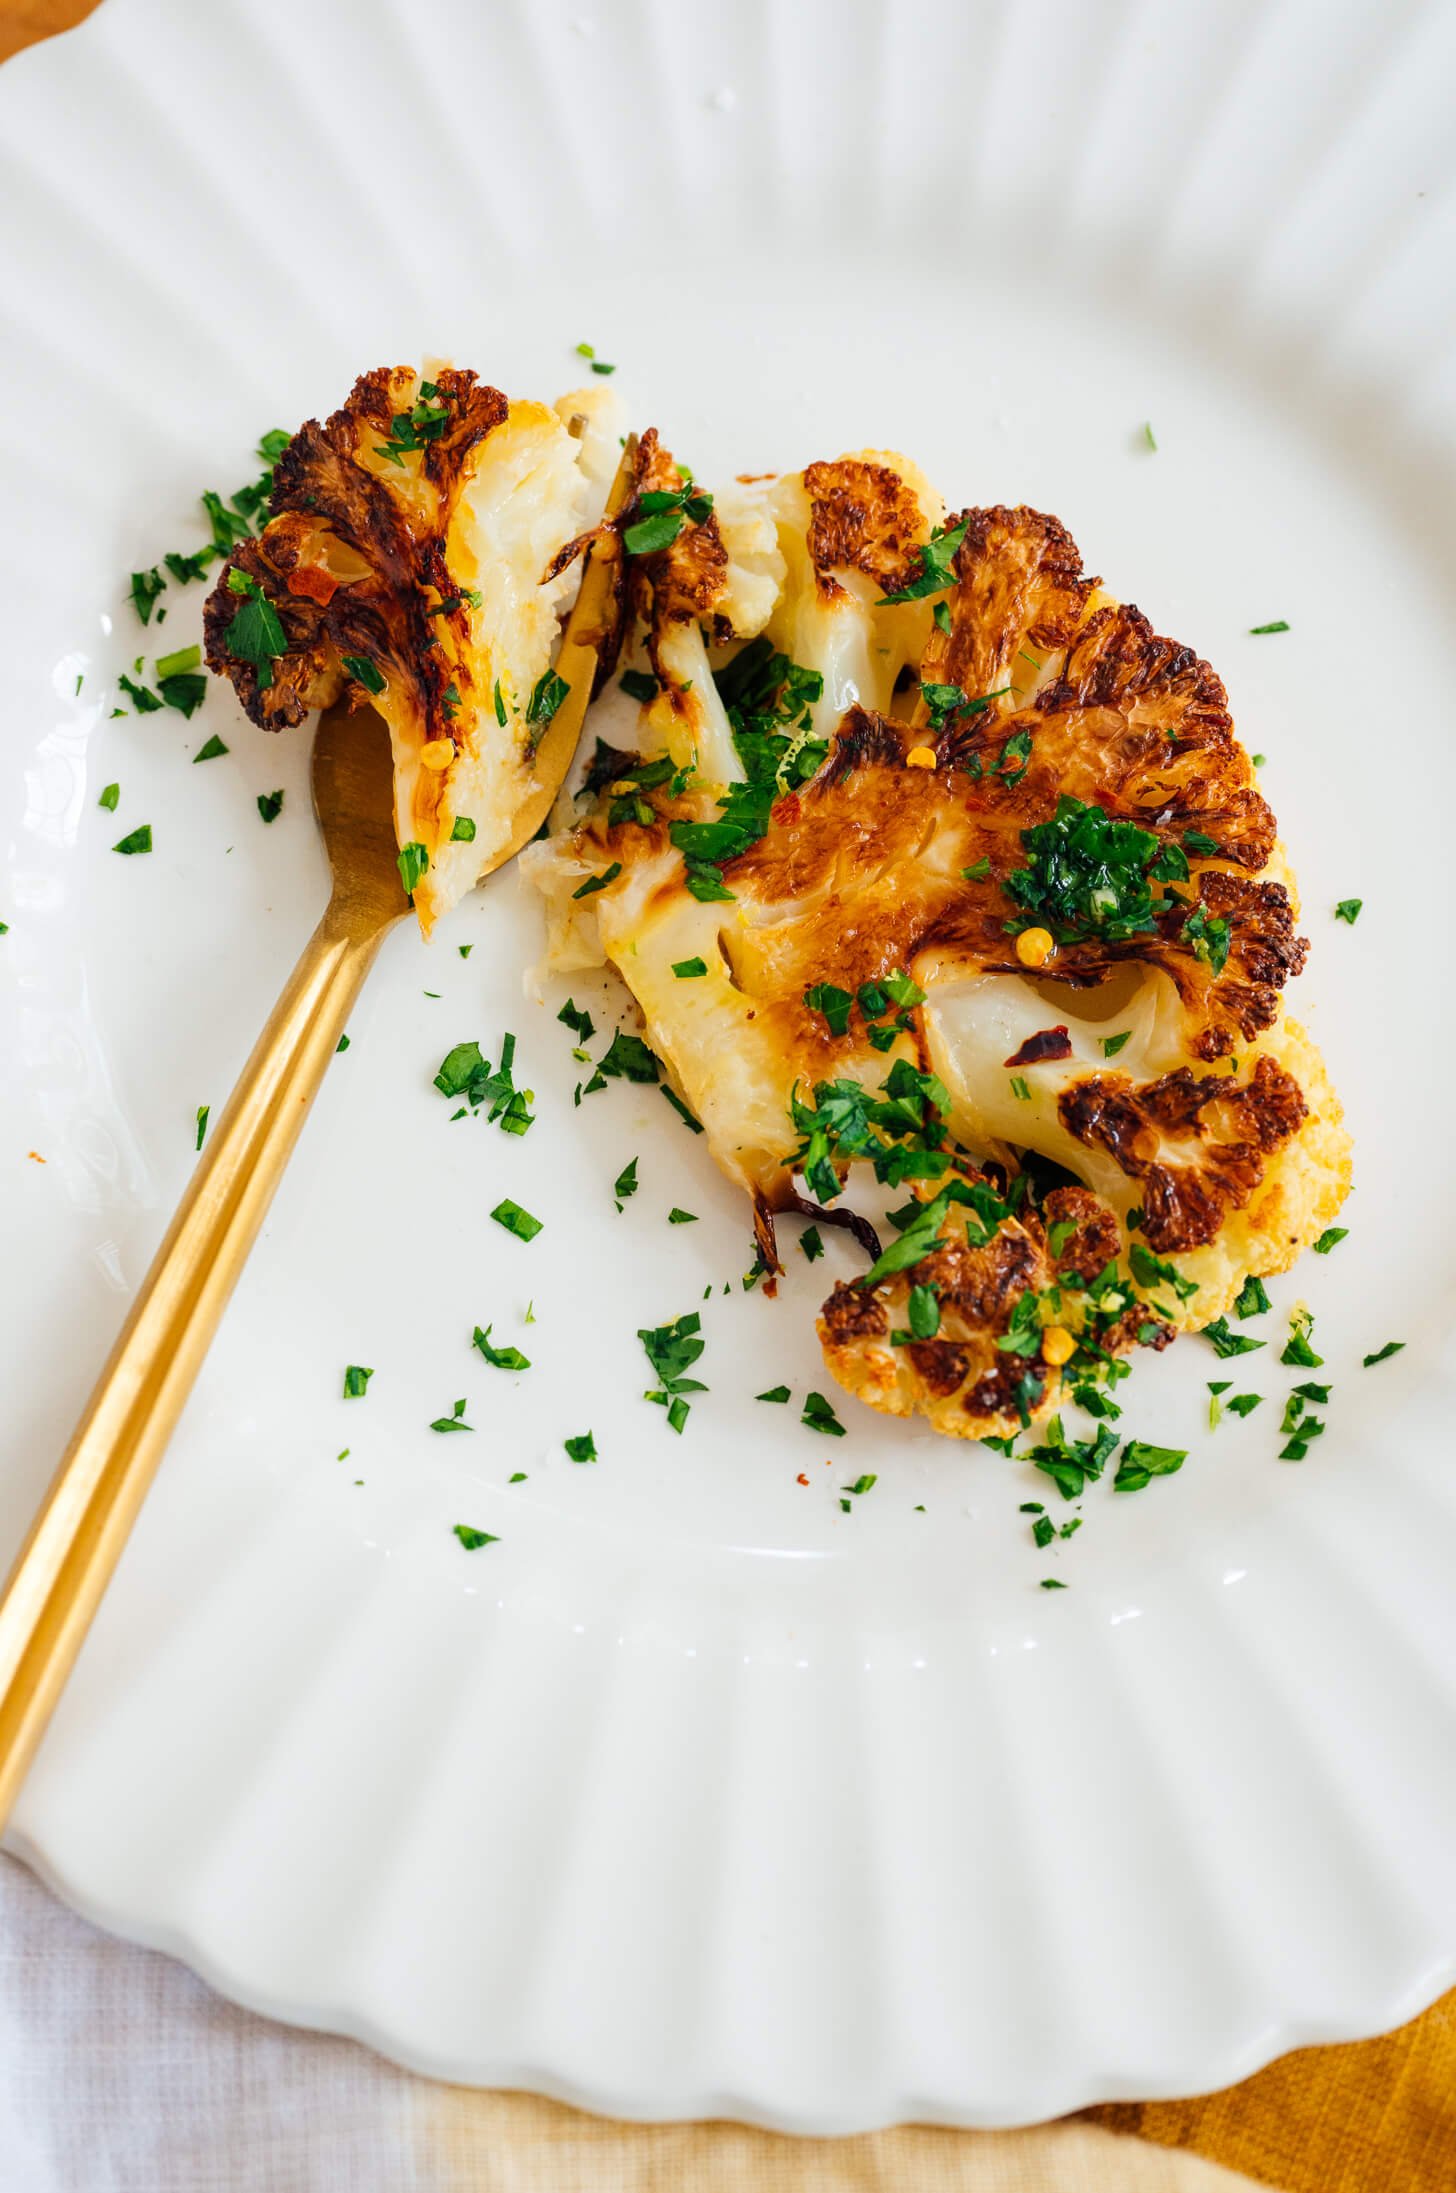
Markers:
point(66, 1562)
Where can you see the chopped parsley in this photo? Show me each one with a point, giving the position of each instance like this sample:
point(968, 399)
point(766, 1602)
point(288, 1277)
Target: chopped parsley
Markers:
point(672, 1350)
point(680, 1108)
point(255, 634)
point(211, 749)
point(472, 1539)
point(1021, 1088)
point(978, 871)
point(135, 841)
point(342, 1044)
point(775, 1393)
point(368, 673)
point(516, 1220)
point(661, 516)
point(767, 699)
point(1111, 1045)
point(498, 701)
point(1279, 625)
point(677, 1216)
point(1148, 435)
point(1226, 1343)
point(924, 1312)
point(1153, 1271)
point(583, 1448)
point(1330, 1239)
point(1088, 876)
point(827, 998)
point(356, 1382)
point(625, 1184)
point(413, 862)
point(466, 1072)
point(811, 1241)
point(599, 883)
point(862, 1484)
point(1253, 1298)
point(820, 1417)
point(454, 1422)
point(936, 565)
point(202, 1113)
point(1071, 1464)
point(686, 969)
point(581, 1024)
point(628, 1058)
point(499, 1359)
point(462, 830)
point(1392, 1347)
point(639, 685)
point(142, 698)
point(145, 591)
point(1244, 1404)
point(1139, 1463)
point(1210, 936)
point(270, 805)
point(1297, 1348)
point(110, 794)
point(1053, 1583)
point(547, 696)
point(1349, 910)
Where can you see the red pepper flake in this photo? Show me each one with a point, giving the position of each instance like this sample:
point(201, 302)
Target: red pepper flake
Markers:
point(1050, 1043)
point(35, 1154)
point(313, 583)
point(801, 1479)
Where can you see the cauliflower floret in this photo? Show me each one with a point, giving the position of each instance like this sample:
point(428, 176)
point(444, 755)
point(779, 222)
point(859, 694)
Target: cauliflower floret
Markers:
point(403, 563)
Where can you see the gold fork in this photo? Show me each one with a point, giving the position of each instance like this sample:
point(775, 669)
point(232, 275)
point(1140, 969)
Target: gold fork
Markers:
point(75, 1542)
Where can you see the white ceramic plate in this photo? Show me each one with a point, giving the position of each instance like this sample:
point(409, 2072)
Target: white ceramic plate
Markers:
point(694, 1795)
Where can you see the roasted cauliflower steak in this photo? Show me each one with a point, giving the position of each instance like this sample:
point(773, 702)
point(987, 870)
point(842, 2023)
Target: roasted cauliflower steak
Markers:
point(928, 858)
point(407, 562)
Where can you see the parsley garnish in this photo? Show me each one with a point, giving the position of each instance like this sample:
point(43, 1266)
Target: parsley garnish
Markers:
point(368, 673)
point(1071, 1464)
point(135, 841)
point(583, 1448)
point(686, 969)
point(811, 1241)
point(820, 1417)
point(662, 514)
point(1089, 877)
point(1148, 436)
point(255, 634)
point(142, 698)
point(550, 691)
point(1392, 1347)
point(1330, 1239)
point(581, 1023)
point(681, 1109)
point(599, 883)
point(454, 1422)
point(862, 1484)
point(1349, 910)
point(466, 1072)
point(413, 862)
point(978, 870)
point(1279, 625)
point(462, 830)
point(500, 1359)
point(1297, 1347)
point(146, 587)
point(1021, 1088)
point(628, 1058)
point(1253, 1298)
point(270, 805)
point(763, 692)
point(936, 560)
point(827, 998)
point(775, 1393)
point(679, 1217)
point(211, 749)
point(356, 1382)
point(1243, 1404)
point(472, 1540)
point(638, 685)
point(110, 794)
point(1226, 1343)
point(625, 1184)
point(516, 1221)
point(672, 1350)
point(1111, 1045)
point(1139, 1463)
